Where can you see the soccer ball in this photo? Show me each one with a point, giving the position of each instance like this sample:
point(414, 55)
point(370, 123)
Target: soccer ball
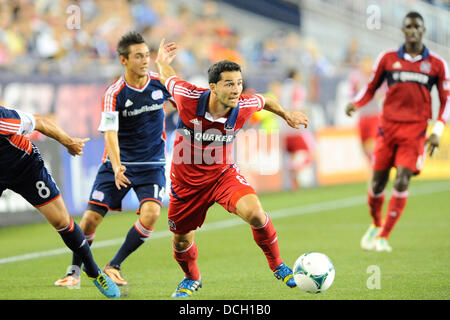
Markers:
point(313, 272)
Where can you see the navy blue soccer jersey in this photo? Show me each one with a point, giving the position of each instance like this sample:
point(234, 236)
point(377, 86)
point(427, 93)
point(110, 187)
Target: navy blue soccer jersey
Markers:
point(138, 116)
point(14, 146)
point(21, 167)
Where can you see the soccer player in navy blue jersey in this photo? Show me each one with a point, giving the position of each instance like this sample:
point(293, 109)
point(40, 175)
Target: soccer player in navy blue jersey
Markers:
point(23, 171)
point(134, 157)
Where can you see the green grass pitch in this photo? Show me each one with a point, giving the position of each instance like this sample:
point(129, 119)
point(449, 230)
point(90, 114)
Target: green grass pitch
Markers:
point(330, 220)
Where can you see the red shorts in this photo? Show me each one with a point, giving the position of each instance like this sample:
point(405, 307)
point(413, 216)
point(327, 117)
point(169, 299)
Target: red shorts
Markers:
point(295, 142)
point(400, 144)
point(188, 206)
point(368, 128)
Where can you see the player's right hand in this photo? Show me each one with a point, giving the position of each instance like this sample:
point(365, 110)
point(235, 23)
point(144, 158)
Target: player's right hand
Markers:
point(350, 109)
point(121, 179)
point(76, 145)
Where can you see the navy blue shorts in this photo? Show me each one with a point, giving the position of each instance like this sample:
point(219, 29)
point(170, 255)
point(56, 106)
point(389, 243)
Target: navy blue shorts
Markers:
point(33, 182)
point(148, 183)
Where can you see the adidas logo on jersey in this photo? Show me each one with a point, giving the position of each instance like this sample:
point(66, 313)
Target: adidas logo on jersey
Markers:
point(128, 103)
point(397, 65)
point(195, 121)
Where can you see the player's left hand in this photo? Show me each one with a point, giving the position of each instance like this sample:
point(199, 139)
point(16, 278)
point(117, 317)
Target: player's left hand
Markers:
point(167, 52)
point(432, 143)
point(76, 145)
point(296, 118)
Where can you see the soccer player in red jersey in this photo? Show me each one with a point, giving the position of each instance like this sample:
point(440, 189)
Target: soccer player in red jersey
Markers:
point(203, 171)
point(401, 142)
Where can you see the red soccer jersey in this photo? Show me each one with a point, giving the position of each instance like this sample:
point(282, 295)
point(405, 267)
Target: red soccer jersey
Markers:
point(410, 81)
point(203, 146)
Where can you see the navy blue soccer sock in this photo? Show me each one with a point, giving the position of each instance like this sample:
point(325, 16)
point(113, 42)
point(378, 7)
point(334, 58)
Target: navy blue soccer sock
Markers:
point(74, 238)
point(136, 236)
point(77, 260)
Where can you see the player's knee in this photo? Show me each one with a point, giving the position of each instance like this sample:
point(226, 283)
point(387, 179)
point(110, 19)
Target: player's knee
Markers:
point(90, 221)
point(180, 244)
point(377, 187)
point(149, 214)
point(61, 222)
point(256, 216)
point(401, 183)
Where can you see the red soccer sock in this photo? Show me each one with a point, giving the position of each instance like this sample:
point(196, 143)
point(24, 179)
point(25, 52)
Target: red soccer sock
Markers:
point(187, 259)
point(375, 202)
point(266, 238)
point(396, 206)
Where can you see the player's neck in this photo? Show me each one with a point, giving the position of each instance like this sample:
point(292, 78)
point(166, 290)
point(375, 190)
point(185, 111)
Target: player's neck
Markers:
point(135, 80)
point(413, 49)
point(216, 109)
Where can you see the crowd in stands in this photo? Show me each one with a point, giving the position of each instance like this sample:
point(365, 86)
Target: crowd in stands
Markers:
point(79, 38)
point(47, 36)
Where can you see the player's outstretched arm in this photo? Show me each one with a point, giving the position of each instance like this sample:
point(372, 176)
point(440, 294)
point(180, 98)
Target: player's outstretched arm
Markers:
point(166, 54)
point(49, 128)
point(293, 118)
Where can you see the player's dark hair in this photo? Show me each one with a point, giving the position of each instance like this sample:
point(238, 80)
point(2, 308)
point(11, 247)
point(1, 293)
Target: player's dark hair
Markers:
point(214, 71)
point(414, 15)
point(123, 47)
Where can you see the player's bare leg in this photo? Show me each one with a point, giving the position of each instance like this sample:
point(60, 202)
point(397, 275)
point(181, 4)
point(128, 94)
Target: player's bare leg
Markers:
point(396, 206)
point(90, 221)
point(249, 208)
point(185, 253)
point(56, 213)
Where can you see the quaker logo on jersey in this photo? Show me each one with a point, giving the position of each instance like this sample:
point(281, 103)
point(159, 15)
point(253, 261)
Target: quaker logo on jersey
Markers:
point(425, 67)
point(157, 94)
point(213, 136)
point(405, 76)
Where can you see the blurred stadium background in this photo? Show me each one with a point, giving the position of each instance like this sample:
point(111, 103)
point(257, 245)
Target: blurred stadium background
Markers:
point(57, 57)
